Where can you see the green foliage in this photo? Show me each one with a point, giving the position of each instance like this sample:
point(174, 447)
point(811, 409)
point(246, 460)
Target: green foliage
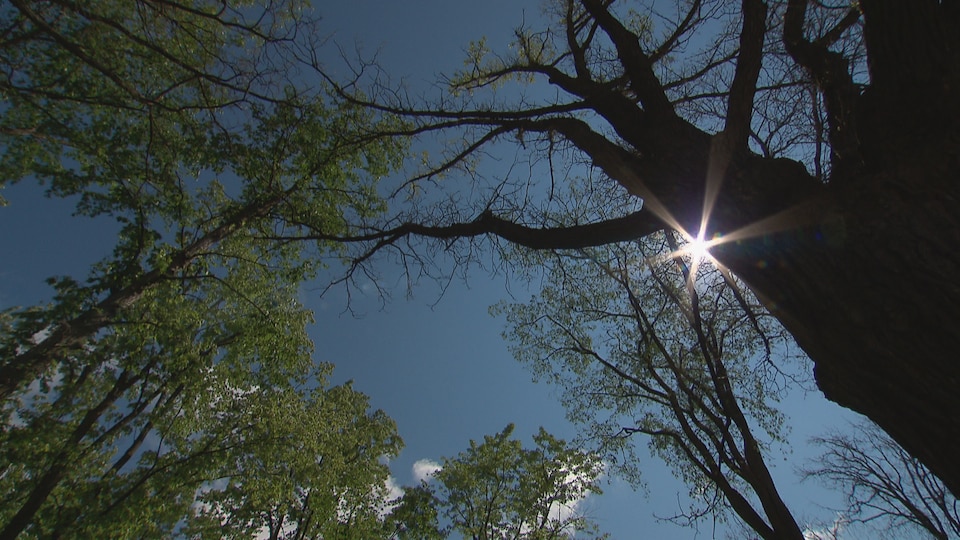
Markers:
point(641, 343)
point(528, 51)
point(189, 134)
point(188, 119)
point(203, 408)
point(535, 55)
point(416, 515)
point(77, 110)
point(317, 471)
point(173, 389)
point(498, 489)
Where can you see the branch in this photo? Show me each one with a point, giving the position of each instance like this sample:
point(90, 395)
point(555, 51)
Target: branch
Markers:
point(78, 52)
point(629, 227)
point(572, 24)
point(831, 36)
point(671, 41)
point(831, 72)
point(71, 334)
point(744, 86)
point(635, 62)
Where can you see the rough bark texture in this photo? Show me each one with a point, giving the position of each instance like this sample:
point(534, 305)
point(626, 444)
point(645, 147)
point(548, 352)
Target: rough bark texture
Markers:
point(863, 271)
point(869, 290)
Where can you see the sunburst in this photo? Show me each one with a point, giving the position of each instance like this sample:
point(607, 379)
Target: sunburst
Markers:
point(697, 248)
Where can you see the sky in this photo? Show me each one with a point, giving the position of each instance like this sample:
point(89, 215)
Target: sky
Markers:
point(436, 363)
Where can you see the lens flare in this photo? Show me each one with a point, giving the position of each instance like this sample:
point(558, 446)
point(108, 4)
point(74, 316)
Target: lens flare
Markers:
point(698, 249)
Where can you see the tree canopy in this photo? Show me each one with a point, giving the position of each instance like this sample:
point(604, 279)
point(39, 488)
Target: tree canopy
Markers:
point(499, 489)
point(222, 143)
point(645, 342)
point(174, 385)
point(173, 391)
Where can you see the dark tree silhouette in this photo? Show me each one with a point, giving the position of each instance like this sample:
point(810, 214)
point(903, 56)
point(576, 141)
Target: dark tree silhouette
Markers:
point(818, 143)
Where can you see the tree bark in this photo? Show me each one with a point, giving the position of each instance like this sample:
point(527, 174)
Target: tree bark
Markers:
point(869, 290)
point(868, 286)
point(863, 271)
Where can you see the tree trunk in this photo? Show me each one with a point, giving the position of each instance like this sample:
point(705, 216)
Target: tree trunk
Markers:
point(869, 283)
point(870, 288)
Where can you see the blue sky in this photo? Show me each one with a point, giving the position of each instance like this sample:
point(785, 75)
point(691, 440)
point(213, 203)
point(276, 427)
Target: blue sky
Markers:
point(436, 364)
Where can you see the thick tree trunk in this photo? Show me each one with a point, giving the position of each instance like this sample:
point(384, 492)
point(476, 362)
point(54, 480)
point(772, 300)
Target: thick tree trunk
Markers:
point(872, 292)
point(870, 288)
point(869, 284)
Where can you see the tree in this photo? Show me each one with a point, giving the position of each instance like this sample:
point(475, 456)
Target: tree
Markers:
point(647, 339)
point(884, 483)
point(498, 489)
point(179, 370)
point(193, 127)
point(317, 471)
point(416, 515)
point(204, 406)
point(815, 143)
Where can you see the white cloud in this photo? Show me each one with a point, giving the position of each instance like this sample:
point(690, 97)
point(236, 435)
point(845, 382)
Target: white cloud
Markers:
point(424, 469)
point(394, 490)
point(831, 532)
point(562, 512)
point(42, 335)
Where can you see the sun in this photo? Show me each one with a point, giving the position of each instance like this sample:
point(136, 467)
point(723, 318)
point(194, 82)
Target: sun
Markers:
point(696, 253)
point(698, 249)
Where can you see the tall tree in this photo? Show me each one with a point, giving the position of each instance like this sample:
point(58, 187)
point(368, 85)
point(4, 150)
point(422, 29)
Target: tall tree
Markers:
point(192, 127)
point(816, 142)
point(202, 405)
point(181, 362)
point(317, 471)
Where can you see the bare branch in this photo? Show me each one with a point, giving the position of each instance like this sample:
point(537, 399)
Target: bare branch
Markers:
point(629, 227)
point(635, 62)
point(831, 72)
point(744, 85)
